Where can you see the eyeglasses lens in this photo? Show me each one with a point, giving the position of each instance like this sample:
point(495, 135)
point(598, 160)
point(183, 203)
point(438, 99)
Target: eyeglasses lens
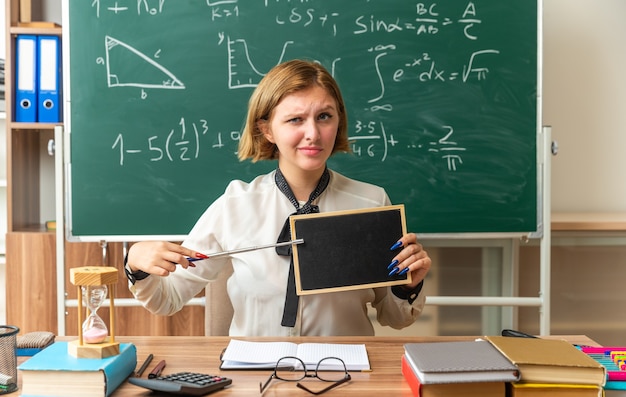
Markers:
point(331, 369)
point(290, 369)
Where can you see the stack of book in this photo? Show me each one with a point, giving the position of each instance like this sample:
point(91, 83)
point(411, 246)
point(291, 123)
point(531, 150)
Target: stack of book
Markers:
point(499, 366)
point(463, 368)
point(550, 367)
point(613, 358)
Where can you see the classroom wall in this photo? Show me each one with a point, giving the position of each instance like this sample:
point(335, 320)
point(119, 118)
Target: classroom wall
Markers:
point(584, 87)
point(584, 90)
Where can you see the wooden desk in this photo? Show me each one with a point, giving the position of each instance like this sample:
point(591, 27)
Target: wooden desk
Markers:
point(201, 354)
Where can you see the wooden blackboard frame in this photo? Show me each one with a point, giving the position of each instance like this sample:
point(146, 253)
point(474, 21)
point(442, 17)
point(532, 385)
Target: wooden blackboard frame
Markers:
point(347, 250)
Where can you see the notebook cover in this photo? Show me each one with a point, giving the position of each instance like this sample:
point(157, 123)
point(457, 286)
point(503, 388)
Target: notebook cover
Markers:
point(460, 361)
point(473, 389)
point(550, 360)
point(55, 358)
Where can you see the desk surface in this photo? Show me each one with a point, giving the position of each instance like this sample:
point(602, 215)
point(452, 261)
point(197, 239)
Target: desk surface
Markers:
point(201, 354)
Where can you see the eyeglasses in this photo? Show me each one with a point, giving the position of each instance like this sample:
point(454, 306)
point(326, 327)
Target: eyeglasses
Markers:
point(293, 369)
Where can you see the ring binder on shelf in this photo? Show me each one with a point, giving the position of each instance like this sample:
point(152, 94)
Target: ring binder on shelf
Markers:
point(26, 76)
point(48, 81)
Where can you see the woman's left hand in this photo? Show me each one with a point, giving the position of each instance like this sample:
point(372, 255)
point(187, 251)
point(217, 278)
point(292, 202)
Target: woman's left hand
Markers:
point(412, 257)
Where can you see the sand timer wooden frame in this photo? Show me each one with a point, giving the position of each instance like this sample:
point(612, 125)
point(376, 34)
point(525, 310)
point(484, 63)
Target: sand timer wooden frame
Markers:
point(94, 276)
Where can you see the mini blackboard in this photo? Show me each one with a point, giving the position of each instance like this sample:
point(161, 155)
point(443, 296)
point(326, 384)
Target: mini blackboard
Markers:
point(347, 250)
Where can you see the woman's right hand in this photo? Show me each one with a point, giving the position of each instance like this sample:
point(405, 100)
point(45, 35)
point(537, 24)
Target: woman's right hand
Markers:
point(159, 257)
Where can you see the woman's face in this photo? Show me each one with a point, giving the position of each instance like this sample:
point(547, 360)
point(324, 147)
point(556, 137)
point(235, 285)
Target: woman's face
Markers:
point(303, 127)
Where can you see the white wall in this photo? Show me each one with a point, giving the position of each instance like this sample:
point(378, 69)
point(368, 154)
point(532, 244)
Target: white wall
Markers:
point(584, 101)
point(2, 28)
point(51, 10)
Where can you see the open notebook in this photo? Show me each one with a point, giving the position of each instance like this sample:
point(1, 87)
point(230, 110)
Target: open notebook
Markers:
point(264, 355)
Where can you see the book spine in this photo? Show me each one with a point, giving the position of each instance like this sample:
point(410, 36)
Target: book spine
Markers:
point(118, 370)
point(410, 377)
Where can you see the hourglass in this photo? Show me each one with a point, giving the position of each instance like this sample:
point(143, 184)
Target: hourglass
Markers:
point(93, 283)
point(94, 329)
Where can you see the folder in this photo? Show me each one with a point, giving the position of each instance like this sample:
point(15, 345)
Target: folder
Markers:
point(26, 78)
point(49, 79)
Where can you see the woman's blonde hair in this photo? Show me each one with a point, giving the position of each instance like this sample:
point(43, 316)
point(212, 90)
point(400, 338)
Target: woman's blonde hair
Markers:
point(284, 79)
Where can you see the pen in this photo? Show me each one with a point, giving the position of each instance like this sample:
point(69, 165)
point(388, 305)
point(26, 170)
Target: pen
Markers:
point(254, 248)
point(144, 365)
point(156, 372)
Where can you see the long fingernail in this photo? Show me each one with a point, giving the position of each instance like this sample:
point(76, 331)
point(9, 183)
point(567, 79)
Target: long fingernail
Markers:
point(201, 256)
point(392, 264)
point(404, 271)
point(396, 246)
point(393, 271)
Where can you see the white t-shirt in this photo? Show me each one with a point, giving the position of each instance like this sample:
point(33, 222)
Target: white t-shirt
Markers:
point(250, 214)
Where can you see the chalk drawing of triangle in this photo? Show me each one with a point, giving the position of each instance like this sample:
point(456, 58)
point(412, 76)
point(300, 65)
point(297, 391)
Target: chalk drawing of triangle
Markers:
point(128, 67)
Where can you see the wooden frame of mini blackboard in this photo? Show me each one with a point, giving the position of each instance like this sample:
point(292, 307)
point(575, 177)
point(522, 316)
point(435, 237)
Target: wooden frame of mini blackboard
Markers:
point(347, 250)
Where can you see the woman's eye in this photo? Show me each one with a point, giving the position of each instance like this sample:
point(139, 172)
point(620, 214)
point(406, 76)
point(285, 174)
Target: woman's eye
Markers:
point(325, 116)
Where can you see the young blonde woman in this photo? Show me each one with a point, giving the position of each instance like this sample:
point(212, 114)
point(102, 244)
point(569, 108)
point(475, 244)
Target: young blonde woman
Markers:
point(297, 116)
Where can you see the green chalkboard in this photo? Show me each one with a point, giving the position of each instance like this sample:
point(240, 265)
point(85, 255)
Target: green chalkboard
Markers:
point(442, 101)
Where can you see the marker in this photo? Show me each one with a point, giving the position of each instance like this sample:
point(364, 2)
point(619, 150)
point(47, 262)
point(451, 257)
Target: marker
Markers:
point(144, 365)
point(156, 372)
point(247, 249)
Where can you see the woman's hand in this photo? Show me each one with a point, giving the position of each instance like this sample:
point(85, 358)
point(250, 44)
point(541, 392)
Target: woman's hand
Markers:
point(159, 257)
point(413, 258)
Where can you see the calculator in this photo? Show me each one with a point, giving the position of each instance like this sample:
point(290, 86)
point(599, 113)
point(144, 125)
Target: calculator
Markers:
point(184, 383)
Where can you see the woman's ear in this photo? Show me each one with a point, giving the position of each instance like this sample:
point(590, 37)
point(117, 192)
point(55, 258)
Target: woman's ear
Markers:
point(263, 126)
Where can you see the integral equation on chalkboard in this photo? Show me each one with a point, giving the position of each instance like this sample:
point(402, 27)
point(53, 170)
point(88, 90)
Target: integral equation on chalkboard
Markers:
point(372, 138)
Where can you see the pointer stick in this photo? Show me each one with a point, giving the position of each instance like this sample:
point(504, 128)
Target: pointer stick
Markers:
point(254, 248)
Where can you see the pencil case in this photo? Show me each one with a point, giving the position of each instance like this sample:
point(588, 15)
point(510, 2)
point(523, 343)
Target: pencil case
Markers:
point(33, 342)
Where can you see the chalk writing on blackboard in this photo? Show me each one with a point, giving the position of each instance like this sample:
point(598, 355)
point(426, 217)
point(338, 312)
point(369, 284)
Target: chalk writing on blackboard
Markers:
point(149, 7)
point(163, 78)
point(441, 100)
point(449, 149)
point(184, 144)
point(370, 139)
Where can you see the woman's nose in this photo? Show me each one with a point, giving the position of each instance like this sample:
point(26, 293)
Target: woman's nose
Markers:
point(311, 131)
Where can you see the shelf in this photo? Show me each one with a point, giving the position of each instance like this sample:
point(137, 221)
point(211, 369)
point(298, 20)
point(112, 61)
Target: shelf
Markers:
point(32, 126)
point(35, 228)
point(56, 31)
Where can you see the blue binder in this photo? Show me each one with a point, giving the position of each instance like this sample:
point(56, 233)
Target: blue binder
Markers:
point(49, 80)
point(26, 78)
